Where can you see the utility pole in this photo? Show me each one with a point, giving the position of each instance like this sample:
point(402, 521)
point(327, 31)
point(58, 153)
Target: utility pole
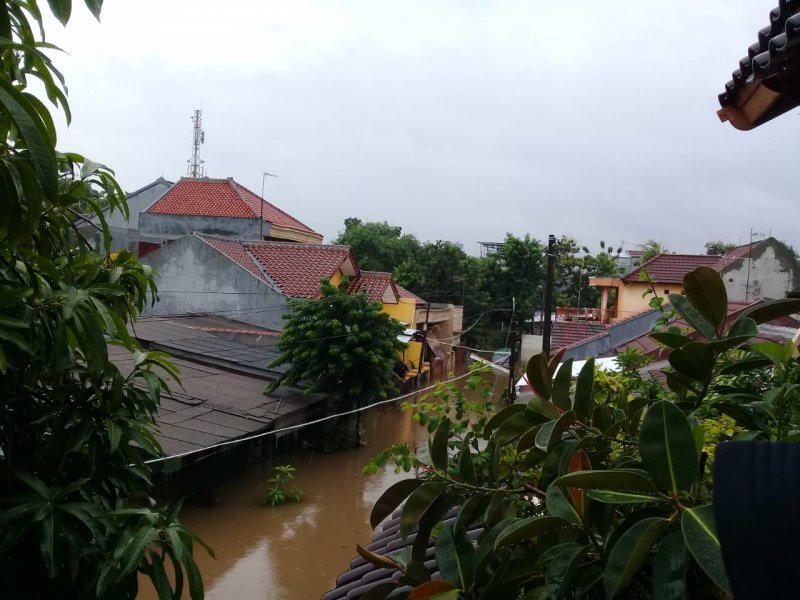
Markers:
point(548, 294)
point(424, 343)
point(261, 216)
point(513, 330)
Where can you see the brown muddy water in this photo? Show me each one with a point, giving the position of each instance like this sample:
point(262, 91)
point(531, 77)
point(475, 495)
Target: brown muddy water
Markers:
point(296, 551)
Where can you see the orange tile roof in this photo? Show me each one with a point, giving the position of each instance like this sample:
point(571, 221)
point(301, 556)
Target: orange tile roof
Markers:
point(404, 293)
point(294, 268)
point(374, 283)
point(221, 198)
point(670, 268)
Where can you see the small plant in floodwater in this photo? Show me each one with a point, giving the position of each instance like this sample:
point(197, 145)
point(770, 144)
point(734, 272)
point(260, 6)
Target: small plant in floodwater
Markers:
point(281, 489)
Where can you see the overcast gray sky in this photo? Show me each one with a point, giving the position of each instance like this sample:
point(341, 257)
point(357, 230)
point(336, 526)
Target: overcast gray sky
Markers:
point(457, 120)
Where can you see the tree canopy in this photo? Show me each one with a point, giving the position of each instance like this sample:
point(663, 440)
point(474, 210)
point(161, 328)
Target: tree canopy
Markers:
point(76, 432)
point(719, 248)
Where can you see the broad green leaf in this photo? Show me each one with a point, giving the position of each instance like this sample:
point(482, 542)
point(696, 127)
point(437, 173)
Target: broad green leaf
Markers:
point(159, 577)
point(669, 569)
point(700, 533)
point(774, 309)
point(420, 500)
point(671, 340)
point(500, 417)
point(584, 392)
point(614, 480)
point(391, 499)
point(95, 6)
point(471, 511)
point(512, 428)
point(549, 434)
point(630, 552)
point(692, 316)
point(466, 468)
point(614, 497)
point(694, 360)
point(454, 556)
point(562, 384)
point(19, 340)
point(667, 447)
point(539, 375)
point(706, 291)
point(134, 551)
point(195, 580)
point(439, 445)
point(558, 504)
point(559, 575)
point(746, 364)
point(437, 589)
point(526, 529)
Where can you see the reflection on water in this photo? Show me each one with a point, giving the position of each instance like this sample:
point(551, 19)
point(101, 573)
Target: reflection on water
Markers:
point(296, 551)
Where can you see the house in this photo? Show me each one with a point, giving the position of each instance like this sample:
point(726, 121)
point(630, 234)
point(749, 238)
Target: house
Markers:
point(762, 269)
point(253, 281)
point(124, 232)
point(219, 207)
point(766, 83)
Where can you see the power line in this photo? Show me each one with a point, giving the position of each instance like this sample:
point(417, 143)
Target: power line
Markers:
point(301, 425)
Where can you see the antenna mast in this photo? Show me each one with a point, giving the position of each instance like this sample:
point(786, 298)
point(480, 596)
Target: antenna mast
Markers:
point(196, 168)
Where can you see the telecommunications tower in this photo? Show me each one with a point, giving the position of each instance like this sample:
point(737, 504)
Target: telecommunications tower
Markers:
point(196, 168)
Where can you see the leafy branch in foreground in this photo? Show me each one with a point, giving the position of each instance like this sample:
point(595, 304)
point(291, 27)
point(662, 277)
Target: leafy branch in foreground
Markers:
point(598, 487)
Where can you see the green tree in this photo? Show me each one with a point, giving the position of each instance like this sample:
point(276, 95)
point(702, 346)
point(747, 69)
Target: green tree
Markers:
point(574, 272)
point(342, 345)
point(719, 248)
point(77, 519)
point(377, 246)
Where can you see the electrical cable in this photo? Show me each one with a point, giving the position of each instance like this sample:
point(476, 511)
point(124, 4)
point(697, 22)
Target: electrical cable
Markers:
point(301, 425)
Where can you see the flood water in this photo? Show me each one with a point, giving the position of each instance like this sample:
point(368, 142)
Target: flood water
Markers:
point(296, 551)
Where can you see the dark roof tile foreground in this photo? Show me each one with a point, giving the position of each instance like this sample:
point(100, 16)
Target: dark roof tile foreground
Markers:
point(363, 576)
point(772, 61)
point(222, 198)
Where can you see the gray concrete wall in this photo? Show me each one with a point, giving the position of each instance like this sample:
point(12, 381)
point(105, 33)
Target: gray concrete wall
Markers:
point(124, 232)
point(773, 273)
point(159, 227)
point(195, 278)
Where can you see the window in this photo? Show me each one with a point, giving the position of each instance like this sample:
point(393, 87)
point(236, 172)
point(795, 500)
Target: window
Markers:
point(666, 292)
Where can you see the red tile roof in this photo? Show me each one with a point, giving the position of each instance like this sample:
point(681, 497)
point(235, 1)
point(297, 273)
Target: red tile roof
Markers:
point(295, 269)
point(670, 268)
point(404, 293)
point(567, 333)
point(220, 198)
point(374, 283)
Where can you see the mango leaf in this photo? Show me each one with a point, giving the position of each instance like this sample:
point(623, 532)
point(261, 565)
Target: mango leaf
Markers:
point(549, 434)
point(35, 135)
point(706, 291)
point(667, 447)
point(391, 499)
point(438, 449)
point(694, 360)
point(418, 503)
point(774, 309)
point(434, 590)
point(700, 533)
point(526, 529)
point(95, 6)
point(61, 9)
point(380, 561)
point(584, 388)
point(539, 375)
point(671, 340)
point(669, 569)
point(562, 384)
point(630, 552)
point(454, 555)
point(616, 480)
point(692, 316)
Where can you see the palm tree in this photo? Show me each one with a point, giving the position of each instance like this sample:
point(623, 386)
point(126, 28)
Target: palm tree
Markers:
point(651, 249)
